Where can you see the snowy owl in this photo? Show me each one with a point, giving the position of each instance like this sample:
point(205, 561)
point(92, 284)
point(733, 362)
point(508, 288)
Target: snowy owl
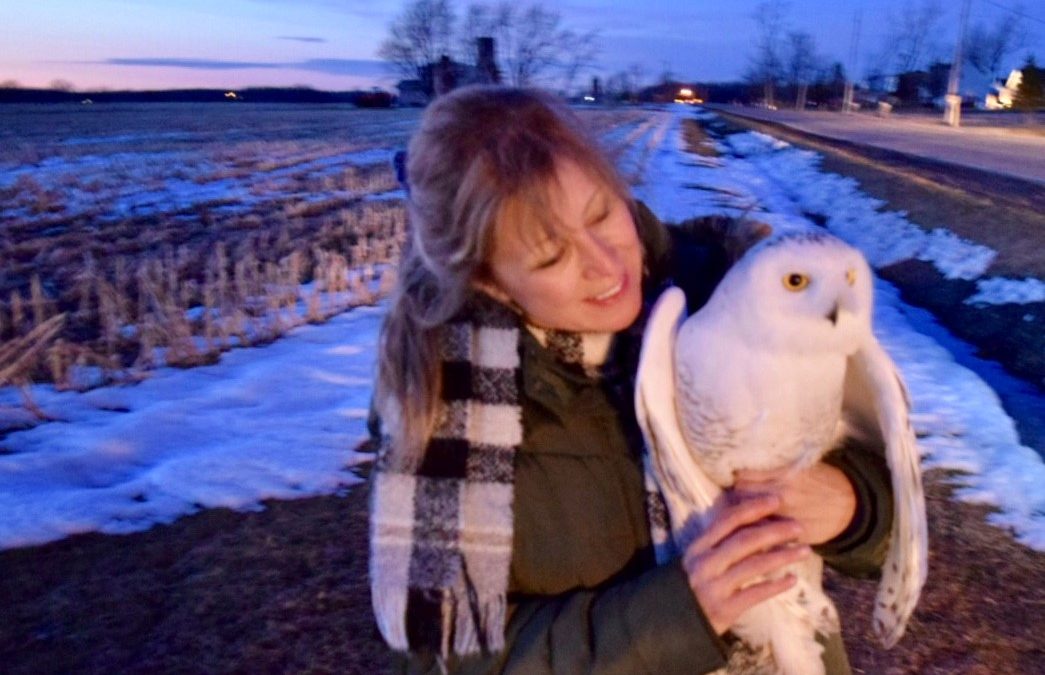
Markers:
point(774, 371)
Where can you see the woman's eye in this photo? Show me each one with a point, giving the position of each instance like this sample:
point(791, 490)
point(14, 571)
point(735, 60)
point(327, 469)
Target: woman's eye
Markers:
point(550, 260)
point(795, 281)
point(600, 218)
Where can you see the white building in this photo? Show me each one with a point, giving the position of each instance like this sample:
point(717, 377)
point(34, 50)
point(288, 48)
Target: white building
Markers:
point(1002, 94)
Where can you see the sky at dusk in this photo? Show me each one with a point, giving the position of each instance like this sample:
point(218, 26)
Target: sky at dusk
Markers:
point(332, 44)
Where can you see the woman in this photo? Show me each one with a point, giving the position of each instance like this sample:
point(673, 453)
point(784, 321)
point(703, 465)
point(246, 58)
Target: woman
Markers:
point(512, 528)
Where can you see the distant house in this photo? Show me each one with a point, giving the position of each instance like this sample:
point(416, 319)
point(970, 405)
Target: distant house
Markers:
point(375, 98)
point(975, 88)
point(1001, 95)
point(671, 92)
point(412, 93)
point(445, 75)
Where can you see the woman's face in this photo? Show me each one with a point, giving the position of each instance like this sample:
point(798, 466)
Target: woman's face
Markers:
point(587, 278)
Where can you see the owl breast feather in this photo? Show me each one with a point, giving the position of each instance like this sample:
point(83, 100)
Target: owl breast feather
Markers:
point(759, 414)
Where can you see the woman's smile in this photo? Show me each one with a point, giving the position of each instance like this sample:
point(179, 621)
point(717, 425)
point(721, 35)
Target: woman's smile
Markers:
point(614, 293)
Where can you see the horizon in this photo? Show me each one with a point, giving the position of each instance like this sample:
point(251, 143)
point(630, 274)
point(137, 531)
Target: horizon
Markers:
point(327, 45)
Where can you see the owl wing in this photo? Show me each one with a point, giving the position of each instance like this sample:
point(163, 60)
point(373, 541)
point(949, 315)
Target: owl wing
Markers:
point(877, 407)
point(686, 488)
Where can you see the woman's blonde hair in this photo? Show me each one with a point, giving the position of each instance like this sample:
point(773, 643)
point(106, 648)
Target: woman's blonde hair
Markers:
point(479, 151)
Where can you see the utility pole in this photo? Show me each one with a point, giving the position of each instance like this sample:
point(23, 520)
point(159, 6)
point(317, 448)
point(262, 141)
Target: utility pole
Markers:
point(847, 96)
point(952, 113)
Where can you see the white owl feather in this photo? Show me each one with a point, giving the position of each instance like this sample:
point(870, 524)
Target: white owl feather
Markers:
point(776, 370)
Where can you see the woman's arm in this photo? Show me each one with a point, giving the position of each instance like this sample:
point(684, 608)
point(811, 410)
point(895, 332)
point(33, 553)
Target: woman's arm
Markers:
point(649, 624)
point(860, 549)
point(666, 620)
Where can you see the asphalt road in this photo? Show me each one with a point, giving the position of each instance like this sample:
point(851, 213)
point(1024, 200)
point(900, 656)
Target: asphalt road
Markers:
point(1004, 150)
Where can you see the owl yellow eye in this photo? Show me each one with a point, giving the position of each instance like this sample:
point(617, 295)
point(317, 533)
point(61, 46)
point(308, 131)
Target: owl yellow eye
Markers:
point(795, 282)
point(850, 277)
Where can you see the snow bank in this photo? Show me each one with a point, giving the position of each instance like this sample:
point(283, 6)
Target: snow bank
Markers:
point(277, 422)
point(1001, 291)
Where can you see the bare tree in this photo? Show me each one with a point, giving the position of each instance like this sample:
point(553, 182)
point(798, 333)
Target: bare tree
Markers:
point(419, 37)
point(801, 64)
point(478, 21)
point(911, 42)
point(530, 40)
point(637, 74)
point(988, 45)
point(767, 65)
point(578, 52)
point(666, 73)
point(619, 86)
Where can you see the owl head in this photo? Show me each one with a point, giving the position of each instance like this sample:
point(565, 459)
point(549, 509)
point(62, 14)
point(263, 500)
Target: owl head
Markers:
point(802, 291)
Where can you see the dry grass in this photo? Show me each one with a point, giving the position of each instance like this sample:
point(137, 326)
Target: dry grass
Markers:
point(697, 140)
point(166, 286)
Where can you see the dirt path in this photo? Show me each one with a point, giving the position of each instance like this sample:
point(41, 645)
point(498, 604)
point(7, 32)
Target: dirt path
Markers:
point(285, 590)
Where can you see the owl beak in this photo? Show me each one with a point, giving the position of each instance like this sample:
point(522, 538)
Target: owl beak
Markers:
point(832, 316)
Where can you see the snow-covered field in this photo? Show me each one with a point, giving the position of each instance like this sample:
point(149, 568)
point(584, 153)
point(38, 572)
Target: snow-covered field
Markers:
point(280, 421)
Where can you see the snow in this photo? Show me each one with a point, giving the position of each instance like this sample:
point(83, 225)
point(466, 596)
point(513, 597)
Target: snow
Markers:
point(280, 421)
point(961, 424)
point(1000, 291)
point(884, 236)
point(276, 422)
point(125, 184)
point(754, 143)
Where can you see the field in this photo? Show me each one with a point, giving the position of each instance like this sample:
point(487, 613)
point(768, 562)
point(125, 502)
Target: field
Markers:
point(137, 236)
point(134, 237)
point(141, 235)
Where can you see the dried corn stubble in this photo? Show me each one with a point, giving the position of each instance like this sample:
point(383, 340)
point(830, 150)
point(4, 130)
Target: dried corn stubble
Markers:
point(128, 285)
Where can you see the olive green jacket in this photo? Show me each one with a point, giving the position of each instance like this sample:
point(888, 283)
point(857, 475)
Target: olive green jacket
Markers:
point(585, 593)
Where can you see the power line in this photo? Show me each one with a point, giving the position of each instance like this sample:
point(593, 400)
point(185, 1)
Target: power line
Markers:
point(1014, 11)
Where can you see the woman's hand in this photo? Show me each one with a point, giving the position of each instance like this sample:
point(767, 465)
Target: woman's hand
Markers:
point(821, 499)
point(729, 563)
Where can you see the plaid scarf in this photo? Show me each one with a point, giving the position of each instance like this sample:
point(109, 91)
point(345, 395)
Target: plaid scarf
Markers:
point(441, 528)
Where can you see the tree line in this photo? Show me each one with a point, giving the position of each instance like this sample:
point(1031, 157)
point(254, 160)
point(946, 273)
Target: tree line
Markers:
point(785, 59)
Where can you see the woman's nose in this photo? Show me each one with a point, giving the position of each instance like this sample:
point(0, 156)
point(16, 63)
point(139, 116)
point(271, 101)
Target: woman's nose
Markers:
point(597, 256)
